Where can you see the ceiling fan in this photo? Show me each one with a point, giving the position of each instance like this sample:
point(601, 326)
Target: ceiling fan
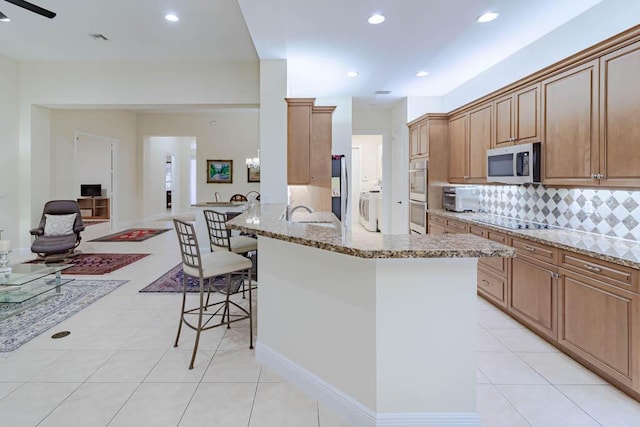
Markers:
point(29, 6)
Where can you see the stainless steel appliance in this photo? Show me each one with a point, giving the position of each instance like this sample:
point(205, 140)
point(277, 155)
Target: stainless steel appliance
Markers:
point(418, 173)
point(339, 187)
point(517, 164)
point(417, 217)
point(418, 180)
point(461, 198)
point(515, 223)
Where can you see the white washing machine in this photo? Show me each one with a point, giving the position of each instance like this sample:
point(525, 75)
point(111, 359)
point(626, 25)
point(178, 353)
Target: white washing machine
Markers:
point(369, 203)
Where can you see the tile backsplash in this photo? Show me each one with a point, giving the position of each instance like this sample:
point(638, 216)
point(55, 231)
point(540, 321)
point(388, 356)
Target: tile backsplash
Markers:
point(613, 213)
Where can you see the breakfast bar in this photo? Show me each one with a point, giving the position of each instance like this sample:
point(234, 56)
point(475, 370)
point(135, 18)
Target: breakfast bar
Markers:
point(380, 328)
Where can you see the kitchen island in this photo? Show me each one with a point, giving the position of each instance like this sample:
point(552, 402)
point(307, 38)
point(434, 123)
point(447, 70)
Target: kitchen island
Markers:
point(380, 328)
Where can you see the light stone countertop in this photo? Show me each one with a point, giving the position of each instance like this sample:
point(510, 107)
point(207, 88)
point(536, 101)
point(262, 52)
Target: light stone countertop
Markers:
point(265, 220)
point(619, 251)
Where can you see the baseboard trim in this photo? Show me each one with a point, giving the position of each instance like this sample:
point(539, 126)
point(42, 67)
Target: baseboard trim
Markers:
point(350, 408)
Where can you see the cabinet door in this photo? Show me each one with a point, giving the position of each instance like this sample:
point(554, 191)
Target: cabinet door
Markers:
point(492, 286)
point(435, 229)
point(414, 140)
point(423, 139)
point(527, 114)
point(620, 111)
point(598, 322)
point(504, 123)
point(533, 295)
point(570, 126)
point(458, 155)
point(298, 140)
point(480, 121)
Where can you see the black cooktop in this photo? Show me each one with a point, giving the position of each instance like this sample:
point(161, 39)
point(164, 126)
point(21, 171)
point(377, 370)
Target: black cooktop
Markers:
point(514, 223)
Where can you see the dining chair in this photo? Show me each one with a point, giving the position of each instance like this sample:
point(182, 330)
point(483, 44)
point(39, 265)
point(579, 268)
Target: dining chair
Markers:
point(238, 198)
point(217, 197)
point(205, 267)
point(253, 193)
point(220, 238)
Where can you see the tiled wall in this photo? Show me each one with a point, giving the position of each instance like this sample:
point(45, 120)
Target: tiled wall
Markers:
point(612, 213)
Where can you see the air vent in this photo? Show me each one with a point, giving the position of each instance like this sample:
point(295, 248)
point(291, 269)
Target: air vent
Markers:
point(98, 37)
point(382, 92)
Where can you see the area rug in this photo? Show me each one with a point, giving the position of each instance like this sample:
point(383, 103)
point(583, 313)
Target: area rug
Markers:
point(171, 281)
point(20, 328)
point(132, 235)
point(95, 264)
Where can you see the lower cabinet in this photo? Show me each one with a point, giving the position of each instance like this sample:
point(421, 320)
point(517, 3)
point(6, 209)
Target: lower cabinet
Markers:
point(492, 286)
point(533, 296)
point(599, 324)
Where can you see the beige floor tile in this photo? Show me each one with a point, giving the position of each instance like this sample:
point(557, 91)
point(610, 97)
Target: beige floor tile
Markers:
point(283, 405)
point(269, 376)
point(328, 418)
point(507, 368)
point(6, 388)
point(496, 319)
point(237, 366)
point(73, 366)
point(487, 342)
point(495, 410)
point(606, 404)
point(28, 404)
point(560, 369)
point(545, 406)
point(220, 405)
point(481, 378)
point(155, 404)
point(127, 366)
point(90, 405)
point(174, 367)
point(522, 340)
point(21, 365)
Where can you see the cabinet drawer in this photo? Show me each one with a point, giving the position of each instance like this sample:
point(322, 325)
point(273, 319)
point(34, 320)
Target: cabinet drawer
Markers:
point(497, 237)
point(457, 226)
point(492, 287)
point(498, 265)
point(535, 250)
point(433, 219)
point(435, 229)
point(478, 231)
point(616, 275)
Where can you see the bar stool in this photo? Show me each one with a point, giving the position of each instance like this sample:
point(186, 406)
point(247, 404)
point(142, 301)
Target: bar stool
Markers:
point(207, 267)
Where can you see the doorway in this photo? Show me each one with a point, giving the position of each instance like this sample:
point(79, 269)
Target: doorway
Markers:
point(169, 177)
point(366, 184)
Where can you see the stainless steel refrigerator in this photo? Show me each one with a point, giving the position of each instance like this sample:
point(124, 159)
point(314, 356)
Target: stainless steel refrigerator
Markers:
point(339, 187)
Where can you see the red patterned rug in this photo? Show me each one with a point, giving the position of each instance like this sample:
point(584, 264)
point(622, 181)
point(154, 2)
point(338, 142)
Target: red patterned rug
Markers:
point(132, 235)
point(93, 264)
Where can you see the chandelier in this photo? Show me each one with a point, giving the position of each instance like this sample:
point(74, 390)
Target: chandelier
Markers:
point(254, 162)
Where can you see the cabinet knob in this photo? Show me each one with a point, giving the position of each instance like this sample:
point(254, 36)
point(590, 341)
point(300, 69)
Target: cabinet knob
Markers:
point(529, 248)
point(593, 176)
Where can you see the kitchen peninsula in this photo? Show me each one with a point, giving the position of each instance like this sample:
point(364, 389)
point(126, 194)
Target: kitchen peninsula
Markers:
point(380, 328)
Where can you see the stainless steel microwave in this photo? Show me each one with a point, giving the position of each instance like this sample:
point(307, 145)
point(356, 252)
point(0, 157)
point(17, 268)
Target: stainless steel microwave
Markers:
point(516, 164)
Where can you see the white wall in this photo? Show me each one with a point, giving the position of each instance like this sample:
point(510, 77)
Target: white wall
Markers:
point(370, 159)
point(9, 159)
point(226, 135)
point(604, 20)
point(100, 85)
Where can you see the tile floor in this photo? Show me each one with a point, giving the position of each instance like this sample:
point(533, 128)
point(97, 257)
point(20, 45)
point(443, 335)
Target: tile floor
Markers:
point(119, 368)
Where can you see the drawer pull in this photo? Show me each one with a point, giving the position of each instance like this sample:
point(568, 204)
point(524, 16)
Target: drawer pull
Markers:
point(486, 282)
point(529, 248)
point(592, 268)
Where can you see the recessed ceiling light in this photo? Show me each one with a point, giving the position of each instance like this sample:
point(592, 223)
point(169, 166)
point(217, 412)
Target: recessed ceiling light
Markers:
point(487, 17)
point(353, 74)
point(376, 19)
point(171, 17)
point(422, 74)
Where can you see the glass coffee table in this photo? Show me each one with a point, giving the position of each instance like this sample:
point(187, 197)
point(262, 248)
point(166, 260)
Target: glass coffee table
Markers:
point(31, 282)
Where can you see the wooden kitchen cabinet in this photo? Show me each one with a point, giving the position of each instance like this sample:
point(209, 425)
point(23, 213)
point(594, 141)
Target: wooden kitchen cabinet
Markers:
point(517, 117)
point(598, 323)
point(533, 290)
point(469, 139)
point(455, 226)
point(619, 113)
point(423, 130)
point(570, 126)
point(309, 129)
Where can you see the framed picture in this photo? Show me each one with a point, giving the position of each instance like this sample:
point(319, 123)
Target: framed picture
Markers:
point(253, 174)
point(220, 171)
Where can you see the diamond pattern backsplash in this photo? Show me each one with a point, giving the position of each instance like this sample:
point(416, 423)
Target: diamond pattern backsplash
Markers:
point(610, 212)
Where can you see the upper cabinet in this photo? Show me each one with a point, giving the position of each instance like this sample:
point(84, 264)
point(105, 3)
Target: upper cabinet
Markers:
point(619, 119)
point(308, 143)
point(470, 137)
point(517, 117)
point(422, 131)
point(570, 126)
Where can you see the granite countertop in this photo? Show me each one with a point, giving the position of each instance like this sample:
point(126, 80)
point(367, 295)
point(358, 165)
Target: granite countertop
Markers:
point(618, 251)
point(327, 233)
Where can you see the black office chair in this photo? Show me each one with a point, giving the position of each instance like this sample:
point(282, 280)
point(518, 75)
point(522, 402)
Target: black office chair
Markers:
point(58, 233)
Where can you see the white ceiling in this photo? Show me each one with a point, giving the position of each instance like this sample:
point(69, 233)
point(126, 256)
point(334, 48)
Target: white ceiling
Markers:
point(322, 40)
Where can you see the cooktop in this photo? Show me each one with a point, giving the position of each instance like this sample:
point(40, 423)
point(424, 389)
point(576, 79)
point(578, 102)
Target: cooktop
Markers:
point(514, 223)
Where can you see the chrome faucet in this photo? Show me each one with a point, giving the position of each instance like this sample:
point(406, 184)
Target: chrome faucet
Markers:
point(289, 210)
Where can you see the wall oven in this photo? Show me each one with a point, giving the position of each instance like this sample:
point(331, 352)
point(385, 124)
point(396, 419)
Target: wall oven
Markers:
point(417, 217)
point(518, 164)
point(418, 180)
